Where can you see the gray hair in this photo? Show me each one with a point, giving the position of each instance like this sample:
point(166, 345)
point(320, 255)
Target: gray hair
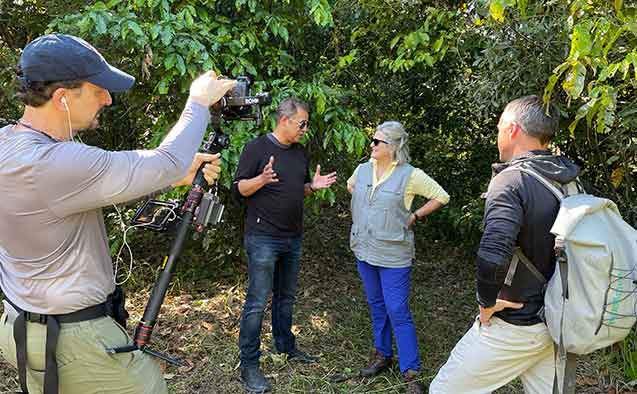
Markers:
point(289, 107)
point(397, 139)
point(536, 121)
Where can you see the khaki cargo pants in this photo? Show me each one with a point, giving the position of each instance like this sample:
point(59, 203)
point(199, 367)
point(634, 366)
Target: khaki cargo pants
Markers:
point(83, 365)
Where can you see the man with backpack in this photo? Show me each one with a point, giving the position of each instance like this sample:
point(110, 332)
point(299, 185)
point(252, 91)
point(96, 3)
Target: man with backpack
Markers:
point(509, 338)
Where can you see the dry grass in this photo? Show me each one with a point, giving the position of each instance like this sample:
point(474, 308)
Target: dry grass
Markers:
point(200, 323)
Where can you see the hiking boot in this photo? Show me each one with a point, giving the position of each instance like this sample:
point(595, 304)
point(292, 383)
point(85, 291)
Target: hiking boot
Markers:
point(301, 357)
point(414, 385)
point(253, 380)
point(377, 364)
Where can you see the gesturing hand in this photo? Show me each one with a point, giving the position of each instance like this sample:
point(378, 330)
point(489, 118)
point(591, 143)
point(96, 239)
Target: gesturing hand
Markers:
point(268, 175)
point(322, 181)
point(486, 313)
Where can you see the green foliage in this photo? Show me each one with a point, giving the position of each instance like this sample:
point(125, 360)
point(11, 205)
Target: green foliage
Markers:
point(600, 77)
point(166, 43)
point(596, 80)
point(321, 12)
point(497, 7)
point(603, 40)
point(445, 69)
point(628, 353)
point(428, 44)
point(7, 76)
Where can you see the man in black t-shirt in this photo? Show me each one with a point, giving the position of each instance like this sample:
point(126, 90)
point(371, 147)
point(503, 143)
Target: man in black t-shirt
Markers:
point(273, 177)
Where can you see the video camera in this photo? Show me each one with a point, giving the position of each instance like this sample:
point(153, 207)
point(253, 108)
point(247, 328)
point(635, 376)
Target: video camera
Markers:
point(236, 104)
point(201, 207)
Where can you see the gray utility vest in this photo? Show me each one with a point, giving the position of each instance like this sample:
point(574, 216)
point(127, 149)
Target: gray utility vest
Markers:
point(379, 233)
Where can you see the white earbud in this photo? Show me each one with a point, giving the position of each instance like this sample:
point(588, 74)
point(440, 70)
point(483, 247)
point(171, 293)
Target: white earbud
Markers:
point(68, 116)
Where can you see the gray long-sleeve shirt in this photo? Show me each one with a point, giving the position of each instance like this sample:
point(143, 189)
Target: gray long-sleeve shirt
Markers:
point(54, 254)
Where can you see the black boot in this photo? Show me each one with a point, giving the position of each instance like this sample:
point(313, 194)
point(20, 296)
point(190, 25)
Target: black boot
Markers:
point(414, 385)
point(253, 380)
point(296, 355)
point(377, 364)
point(300, 356)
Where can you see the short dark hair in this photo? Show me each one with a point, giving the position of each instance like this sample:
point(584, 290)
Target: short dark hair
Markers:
point(289, 107)
point(38, 93)
point(534, 117)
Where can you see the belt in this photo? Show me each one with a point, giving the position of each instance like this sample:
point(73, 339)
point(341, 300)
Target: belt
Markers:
point(52, 323)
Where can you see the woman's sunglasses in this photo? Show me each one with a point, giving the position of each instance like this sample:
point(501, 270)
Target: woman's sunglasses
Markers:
point(376, 141)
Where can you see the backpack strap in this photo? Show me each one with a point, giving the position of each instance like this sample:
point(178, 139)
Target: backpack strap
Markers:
point(574, 187)
point(557, 192)
point(565, 363)
point(560, 191)
point(518, 256)
point(564, 379)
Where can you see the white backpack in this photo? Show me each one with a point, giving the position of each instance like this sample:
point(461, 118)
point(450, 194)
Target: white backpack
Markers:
point(591, 299)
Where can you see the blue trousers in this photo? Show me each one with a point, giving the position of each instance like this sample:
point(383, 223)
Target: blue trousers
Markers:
point(387, 291)
point(273, 268)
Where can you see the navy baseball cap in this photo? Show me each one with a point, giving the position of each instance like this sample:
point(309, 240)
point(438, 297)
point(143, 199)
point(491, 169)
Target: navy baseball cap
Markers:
point(60, 57)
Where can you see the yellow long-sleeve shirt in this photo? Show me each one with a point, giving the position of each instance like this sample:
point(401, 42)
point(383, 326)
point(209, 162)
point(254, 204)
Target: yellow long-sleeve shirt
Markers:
point(419, 184)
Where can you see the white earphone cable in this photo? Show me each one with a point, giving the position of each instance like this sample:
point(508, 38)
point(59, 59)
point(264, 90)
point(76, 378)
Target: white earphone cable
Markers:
point(68, 117)
point(127, 246)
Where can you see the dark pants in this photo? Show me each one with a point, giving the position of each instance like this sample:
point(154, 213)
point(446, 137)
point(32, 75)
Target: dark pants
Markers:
point(273, 266)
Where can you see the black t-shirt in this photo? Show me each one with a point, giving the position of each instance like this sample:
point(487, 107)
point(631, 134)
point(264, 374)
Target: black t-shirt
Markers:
point(277, 208)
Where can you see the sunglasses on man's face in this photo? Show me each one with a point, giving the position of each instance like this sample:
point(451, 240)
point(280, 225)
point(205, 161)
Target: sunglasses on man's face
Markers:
point(376, 141)
point(303, 124)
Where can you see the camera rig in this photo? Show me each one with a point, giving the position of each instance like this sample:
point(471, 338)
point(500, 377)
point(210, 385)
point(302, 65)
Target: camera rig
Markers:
point(201, 208)
point(237, 104)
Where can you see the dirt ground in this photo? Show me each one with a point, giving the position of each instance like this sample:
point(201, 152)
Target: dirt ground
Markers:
point(199, 323)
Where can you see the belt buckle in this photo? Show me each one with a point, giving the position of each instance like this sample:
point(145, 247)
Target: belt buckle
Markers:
point(35, 317)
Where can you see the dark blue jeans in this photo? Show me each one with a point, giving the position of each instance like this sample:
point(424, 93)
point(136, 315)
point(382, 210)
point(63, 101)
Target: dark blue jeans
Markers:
point(273, 266)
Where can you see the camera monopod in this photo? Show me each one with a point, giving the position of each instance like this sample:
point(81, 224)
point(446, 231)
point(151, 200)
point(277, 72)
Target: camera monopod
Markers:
point(200, 208)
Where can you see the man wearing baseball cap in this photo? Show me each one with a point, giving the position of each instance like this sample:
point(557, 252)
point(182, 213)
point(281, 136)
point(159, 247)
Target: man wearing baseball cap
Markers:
point(61, 307)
